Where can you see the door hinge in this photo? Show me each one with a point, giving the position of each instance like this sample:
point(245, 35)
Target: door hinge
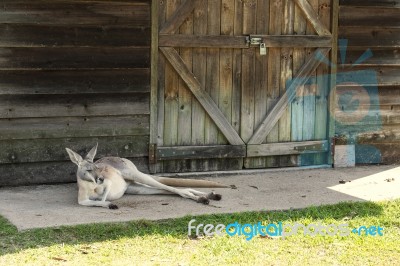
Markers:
point(152, 153)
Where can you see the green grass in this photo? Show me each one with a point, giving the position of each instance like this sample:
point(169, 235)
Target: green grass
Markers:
point(167, 243)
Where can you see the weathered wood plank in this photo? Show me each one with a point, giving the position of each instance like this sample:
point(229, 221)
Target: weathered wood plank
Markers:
point(73, 58)
point(18, 106)
point(248, 75)
point(388, 96)
point(333, 79)
point(299, 80)
point(367, 118)
point(299, 56)
point(286, 75)
point(200, 17)
point(52, 150)
point(380, 57)
point(210, 41)
point(201, 152)
point(274, 75)
point(180, 15)
point(162, 64)
point(74, 81)
point(237, 72)
point(322, 115)
point(387, 134)
point(371, 3)
point(371, 37)
point(212, 75)
point(73, 127)
point(204, 99)
point(153, 130)
point(369, 16)
point(25, 35)
point(226, 64)
point(169, 40)
point(312, 17)
point(385, 76)
point(260, 77)
point(287, 148)
point(185, 96)
point(76, 13)
point(309, 115)
point(22, 174)
point(171, 91)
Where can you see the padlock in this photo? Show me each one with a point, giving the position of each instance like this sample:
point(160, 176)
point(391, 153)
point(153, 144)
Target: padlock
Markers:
point(263, 49)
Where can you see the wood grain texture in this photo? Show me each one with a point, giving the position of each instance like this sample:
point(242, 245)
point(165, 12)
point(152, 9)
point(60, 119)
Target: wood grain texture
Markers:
point(204, 99)
point(23, 106)
point(371, 37)
point(299, 80)
point(105, 13)
point(179, 16)
point(73, 58)
point(288, 148)
point(312, 17)
point(52, 150)
point(98, 81)
point(201, 152)
point(71, 127)
point(28, 35)
point(371, 3)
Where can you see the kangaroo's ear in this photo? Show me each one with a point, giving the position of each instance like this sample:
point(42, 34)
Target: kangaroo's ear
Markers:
point(75, 158)
point(90, 156)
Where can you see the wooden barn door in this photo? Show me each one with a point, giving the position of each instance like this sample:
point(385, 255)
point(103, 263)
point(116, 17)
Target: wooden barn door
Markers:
point(241, 84)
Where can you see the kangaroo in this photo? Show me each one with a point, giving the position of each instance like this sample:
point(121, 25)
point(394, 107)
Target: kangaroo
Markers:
point(109, 178)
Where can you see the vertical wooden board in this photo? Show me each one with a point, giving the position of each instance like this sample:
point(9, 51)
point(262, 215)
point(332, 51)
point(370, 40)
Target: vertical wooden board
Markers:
point(260, 78)
point(212, 73)
point(286, 76)
point(274, 71)
point(298, 60)
point(154, 83)
point(161, 87)
point(248, 71)
point(237, 67)
point(322, 89)
point(226, 71)
point(171, 104)
point(334, 12)
point(200, 16)
point(185, 98)
point(237, 70)
point(248, 75)
point(309, 98)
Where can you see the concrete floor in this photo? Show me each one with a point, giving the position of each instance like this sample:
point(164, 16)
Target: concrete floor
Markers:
point(56, 205)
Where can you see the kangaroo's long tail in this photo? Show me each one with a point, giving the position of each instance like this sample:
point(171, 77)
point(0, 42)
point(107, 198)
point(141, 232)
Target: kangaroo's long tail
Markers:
point(181, 182)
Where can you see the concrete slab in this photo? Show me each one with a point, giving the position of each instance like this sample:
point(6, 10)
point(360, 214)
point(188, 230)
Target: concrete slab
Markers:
point(56, 205)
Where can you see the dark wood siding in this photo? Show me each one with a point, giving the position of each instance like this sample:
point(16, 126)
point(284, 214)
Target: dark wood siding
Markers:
point(368, 109)
point(72, 73)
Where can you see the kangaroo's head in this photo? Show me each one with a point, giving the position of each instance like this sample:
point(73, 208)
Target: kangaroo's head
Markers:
point(86, 167)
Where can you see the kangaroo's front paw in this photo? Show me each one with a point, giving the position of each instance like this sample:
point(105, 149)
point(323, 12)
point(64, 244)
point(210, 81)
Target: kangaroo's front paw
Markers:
point(203, 200)
point(214, 196)
point(112, 206)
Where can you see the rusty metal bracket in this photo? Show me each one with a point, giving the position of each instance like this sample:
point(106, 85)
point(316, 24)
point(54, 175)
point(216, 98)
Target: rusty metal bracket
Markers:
point(152, 153)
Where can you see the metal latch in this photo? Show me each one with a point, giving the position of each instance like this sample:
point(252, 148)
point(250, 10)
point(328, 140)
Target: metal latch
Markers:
point(254, 40)
point(312, 147)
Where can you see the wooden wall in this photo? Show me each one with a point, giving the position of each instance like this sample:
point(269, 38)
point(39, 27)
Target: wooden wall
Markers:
point(72, 73)
point(368, 110)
